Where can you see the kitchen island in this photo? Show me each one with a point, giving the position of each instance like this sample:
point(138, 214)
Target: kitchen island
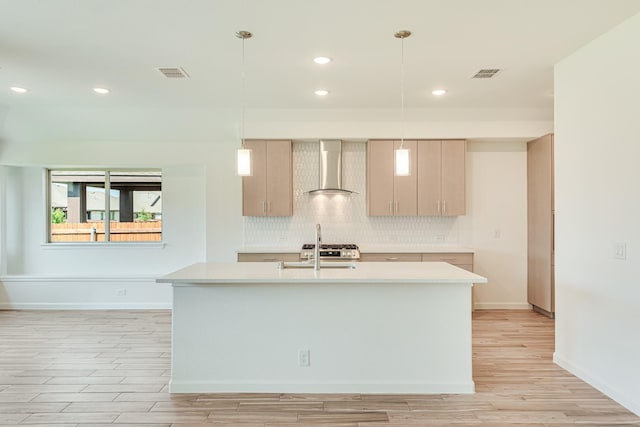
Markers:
point(376, 328)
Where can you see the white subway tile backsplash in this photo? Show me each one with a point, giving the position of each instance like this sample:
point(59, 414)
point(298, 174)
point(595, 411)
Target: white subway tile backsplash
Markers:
point(344, 218)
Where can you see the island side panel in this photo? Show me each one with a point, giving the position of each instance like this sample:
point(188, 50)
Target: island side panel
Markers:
point(362, 338)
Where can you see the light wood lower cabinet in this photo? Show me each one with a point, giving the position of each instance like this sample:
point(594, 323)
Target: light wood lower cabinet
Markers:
point(268, 257)
point(462, 259)
point(391, 257)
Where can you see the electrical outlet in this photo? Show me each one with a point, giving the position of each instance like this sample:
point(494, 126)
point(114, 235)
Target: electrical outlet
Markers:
point(121, 292)
point(620, 251)
point(303, 358)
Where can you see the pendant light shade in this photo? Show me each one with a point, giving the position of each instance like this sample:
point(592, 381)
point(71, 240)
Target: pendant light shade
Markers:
point(403, 162)
point(244, 162)
point(402, 155)
point(243, 156)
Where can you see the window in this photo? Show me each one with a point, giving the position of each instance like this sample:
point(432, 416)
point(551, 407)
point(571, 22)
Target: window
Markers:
point(79, 206)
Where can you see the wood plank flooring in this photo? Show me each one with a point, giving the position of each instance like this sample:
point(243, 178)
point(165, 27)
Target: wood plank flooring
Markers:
point(111, 368)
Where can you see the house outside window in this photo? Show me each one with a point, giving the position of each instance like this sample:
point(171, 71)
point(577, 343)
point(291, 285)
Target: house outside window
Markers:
point(80, 201)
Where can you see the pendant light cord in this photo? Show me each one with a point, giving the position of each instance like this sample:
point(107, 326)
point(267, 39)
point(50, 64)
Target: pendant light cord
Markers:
point(402, 92)
point(242, 99)
point(402, 34)
point(243, 35)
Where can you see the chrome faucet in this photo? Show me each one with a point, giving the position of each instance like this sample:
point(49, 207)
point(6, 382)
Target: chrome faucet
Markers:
point(316, 249)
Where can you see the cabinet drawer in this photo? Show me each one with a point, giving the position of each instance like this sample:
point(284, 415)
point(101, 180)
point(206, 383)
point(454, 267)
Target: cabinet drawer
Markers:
point(268, 257)
point(452, 258)
point(391, 257)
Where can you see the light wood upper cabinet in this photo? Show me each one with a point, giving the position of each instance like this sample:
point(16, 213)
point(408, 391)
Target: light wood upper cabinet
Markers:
point(379, 178)
point(387, 194)
point(269, 191)
point(441, 177)
point(436, 186)
point(429, 178)
point(405, 187)
point(453, 177)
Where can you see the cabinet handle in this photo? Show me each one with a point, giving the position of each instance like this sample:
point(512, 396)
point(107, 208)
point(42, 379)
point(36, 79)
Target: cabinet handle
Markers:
point(396, 206)
point(269, 259)
point(390, 207)
point(444, 206)
point(264, 207)
point(393, 259)
point(438, 207)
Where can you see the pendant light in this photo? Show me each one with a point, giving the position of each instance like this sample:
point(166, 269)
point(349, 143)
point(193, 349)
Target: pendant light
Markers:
point(243, 158)
point(402, 155)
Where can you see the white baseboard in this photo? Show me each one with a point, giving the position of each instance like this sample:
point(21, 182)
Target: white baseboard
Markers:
point(80, 306)
point(279, 387)
point(502, 306)
point(632, 403)
point(83, 293)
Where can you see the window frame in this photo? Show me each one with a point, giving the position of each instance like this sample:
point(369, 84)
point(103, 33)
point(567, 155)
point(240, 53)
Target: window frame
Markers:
point(107, 223)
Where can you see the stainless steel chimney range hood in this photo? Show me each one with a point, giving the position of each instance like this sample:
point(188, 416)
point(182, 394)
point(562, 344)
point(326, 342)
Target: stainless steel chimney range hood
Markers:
point(330, 168)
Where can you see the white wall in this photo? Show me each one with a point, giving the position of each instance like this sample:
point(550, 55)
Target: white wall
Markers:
point(40, 275)
point(597, 148)
point(496, 222)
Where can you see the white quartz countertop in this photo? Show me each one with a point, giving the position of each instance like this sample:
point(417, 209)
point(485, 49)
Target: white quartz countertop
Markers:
point(366, 248)
point(364, 272)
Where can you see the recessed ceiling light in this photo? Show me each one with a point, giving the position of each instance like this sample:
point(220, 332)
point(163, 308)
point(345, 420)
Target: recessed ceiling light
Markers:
point(321, 59)
point(18, 89)
point(322, 92)
point(439, 92)
point(101, 90)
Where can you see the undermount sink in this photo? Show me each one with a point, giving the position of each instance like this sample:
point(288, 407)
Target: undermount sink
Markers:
point(325, 264)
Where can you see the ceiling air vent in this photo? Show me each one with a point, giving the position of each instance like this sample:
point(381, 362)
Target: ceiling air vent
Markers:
point(486, 73)
point(173, 72)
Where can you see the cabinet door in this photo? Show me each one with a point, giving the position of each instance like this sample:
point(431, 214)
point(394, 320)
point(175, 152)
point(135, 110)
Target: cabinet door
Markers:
point(254, 188)
point(458, 259)
point(429, 178)
point(540, 223)
point(279, 180)
point(268, 257)
point(380, 178)
point(453, 177)
point(405, 200)
point(391, 257)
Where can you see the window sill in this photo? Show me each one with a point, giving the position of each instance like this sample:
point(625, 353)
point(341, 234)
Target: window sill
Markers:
point(110, 245)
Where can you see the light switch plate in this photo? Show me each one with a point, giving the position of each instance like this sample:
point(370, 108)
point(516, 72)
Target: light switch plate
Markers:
point(620, 251)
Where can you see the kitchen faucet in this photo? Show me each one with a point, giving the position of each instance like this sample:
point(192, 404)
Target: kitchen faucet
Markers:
point(316, 249)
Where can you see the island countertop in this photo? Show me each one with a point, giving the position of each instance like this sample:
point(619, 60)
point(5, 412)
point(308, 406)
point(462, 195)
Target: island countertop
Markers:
point(364, 272)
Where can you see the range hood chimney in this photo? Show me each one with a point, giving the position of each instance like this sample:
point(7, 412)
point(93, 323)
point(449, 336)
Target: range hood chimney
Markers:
point(330, 170)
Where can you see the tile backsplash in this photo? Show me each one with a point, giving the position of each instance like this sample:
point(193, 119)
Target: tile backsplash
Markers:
point(344, 218)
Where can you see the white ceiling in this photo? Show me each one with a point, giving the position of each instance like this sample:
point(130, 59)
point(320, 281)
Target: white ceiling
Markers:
point(60, 49)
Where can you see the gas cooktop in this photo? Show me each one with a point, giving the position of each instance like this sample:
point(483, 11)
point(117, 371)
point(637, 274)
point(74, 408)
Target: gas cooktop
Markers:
point(346, 251)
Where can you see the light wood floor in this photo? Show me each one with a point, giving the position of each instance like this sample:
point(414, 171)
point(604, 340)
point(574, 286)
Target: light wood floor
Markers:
point(95, 368)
